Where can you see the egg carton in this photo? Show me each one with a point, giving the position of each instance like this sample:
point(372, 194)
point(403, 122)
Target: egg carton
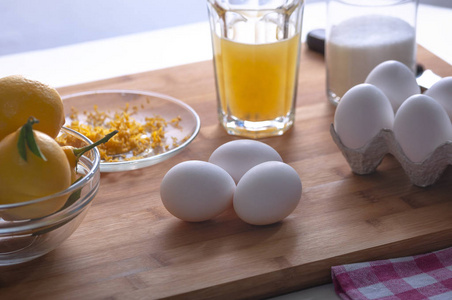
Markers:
point(366, 159)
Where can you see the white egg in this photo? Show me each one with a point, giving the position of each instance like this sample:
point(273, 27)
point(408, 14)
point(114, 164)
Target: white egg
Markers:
point(395, 80)
point(420, 126)
point(238, 156)
point(442, 92)
point(196, 191)
point(267, 193)
point(362, 112)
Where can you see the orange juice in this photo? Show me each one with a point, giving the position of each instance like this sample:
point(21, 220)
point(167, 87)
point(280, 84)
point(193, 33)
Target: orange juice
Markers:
point(256, 82)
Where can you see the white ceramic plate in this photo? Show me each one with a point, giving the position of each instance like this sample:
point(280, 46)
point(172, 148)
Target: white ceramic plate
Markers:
point(149, 104)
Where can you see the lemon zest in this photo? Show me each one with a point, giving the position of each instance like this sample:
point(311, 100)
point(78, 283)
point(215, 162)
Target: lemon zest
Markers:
point(134, 139)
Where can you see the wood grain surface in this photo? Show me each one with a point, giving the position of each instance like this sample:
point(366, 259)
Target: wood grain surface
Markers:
point(130, 247)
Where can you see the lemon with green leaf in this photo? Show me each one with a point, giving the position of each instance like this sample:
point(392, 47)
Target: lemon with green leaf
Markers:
point(33, 165)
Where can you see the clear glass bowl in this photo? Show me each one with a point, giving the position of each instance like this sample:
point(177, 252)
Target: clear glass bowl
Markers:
point(148, 105)
point(24, 240)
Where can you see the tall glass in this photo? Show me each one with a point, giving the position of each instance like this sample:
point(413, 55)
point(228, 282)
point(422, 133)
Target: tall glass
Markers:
point(256, 46)
point(361, 34)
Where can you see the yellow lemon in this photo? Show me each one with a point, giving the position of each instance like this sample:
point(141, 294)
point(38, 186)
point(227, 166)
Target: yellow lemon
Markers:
point(25, 176)
point(21, 98)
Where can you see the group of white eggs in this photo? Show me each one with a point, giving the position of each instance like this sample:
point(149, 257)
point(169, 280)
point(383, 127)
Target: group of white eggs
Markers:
point(391, 99)
point(247, 174)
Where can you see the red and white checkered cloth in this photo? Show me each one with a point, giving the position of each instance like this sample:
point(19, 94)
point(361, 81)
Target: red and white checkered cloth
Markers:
point(426, 276)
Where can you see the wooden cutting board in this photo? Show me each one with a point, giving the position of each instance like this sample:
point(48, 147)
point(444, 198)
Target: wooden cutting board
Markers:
point(130, 247)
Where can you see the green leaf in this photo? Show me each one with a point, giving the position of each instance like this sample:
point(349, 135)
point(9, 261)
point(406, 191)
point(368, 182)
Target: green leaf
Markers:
point(27, 138)
point(31, 142)
point(21, 144)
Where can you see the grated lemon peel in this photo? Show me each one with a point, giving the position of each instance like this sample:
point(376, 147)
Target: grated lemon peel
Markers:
point(134, 139)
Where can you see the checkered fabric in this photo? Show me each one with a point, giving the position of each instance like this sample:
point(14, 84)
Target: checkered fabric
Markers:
point(427, 276)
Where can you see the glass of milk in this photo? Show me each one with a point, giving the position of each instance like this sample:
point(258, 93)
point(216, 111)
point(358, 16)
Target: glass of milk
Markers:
point(360, 34)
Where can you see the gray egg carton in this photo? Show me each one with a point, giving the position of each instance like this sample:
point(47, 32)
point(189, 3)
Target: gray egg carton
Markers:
point(366, 159)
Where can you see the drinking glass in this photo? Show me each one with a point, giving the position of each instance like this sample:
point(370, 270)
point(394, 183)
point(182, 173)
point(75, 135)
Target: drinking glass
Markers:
point(256, 47)
point(361, 34)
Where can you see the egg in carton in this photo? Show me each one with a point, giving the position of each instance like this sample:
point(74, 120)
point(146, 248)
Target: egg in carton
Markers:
point(418, 135)
point(367, 158)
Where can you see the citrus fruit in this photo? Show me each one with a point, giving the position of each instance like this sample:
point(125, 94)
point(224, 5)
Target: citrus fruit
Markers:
point(25, 176)
point(21, 98)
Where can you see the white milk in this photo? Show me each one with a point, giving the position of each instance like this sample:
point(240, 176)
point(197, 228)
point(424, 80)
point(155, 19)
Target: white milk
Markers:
point(357, 45)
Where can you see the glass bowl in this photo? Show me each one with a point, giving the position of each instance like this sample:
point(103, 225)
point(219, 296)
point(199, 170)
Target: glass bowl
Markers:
point(22, 240)
point(141, 105)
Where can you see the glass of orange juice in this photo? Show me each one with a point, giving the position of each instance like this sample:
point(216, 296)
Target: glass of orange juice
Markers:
point(256, 48)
